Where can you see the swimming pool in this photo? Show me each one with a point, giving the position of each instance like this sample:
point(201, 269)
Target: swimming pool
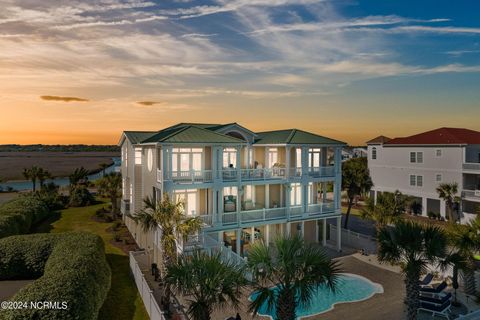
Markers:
point(351, 288)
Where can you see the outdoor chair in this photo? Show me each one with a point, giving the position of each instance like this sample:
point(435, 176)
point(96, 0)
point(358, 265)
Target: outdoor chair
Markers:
point(434, 290)
point(426, 280)
point(435, 309)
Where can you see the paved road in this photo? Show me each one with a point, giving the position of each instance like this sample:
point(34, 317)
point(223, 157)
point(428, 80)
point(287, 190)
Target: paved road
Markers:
point(357, 224)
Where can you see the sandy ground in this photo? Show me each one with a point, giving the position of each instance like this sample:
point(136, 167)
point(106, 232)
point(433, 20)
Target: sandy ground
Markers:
point(58, 163)
point(4, 197)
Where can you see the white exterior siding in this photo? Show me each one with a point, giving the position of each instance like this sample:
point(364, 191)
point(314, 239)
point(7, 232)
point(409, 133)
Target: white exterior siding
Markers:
point(392, 168)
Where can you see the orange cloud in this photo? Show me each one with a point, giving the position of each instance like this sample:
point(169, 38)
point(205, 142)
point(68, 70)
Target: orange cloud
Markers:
point(64, 99)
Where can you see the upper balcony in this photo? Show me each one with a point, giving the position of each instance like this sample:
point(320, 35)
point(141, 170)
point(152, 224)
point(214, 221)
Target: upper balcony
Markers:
point(247, 218)
point(471, 166)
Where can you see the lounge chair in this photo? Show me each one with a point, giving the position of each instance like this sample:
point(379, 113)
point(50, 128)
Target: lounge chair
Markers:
point(443, 309)
point(436, 300)
point(435, 290)
point(426, 280)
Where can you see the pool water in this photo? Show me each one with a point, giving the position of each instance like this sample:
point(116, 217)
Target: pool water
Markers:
point(350, 288)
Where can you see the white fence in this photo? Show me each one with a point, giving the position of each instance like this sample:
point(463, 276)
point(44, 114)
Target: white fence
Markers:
point(355, 240)
point(146, 292)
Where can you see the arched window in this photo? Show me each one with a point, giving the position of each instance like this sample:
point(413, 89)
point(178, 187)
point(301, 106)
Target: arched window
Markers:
point(374, 153)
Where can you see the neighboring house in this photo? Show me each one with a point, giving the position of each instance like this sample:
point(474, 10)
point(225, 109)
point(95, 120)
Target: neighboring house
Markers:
point(353, 152)
point(417, 164)
point(244, 185)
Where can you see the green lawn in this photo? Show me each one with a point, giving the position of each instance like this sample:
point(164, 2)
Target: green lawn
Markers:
point(123, 300)
point(353, 211)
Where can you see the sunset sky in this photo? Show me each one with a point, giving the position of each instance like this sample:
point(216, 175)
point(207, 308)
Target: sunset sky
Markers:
point(84, 71)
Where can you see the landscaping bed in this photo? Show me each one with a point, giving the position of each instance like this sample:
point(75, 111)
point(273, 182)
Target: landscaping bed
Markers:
point(68, 267)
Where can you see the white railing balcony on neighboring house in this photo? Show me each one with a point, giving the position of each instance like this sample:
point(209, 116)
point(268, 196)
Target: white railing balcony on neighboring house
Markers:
point(321, 208)
point(125, 206)
point(471, 194)
point(159, 176)
point(229, 174)
point(471, 166)
point(190, 176)
point(321, 171)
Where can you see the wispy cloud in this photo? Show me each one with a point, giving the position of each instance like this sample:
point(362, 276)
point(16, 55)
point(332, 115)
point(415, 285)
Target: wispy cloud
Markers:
point(63, 99)
point(454, 30)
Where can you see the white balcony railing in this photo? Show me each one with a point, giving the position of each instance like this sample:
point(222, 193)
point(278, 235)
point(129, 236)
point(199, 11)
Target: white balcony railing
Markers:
point(229, 218)
point(296, 211)
point(321, 208)
point(471, 166)
point(321, 171)
point(207, 219)
point(191, 176)
point(471, 193)
point(295, 173)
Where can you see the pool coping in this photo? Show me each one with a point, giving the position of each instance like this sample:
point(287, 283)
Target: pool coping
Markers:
point(378, 286)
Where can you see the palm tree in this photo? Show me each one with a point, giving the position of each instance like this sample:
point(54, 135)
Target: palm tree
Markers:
point(43, 175)
point(295, 267)
point(355, 180)
point(110, 186)
point(77, 175)
point(103, 167)
point(388, 209)
point(206, 282)
point(174, 224)
point(32, 175)
point(465, 240)
point(448, 193)
point(413, 246)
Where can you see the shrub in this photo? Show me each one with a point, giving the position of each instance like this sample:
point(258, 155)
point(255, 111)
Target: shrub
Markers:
point(117, 225)
point(19, 215)
point(70, 267)
point(81, 197)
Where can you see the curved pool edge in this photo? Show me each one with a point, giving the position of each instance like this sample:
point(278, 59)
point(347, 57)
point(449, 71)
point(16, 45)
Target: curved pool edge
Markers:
point(377, 286)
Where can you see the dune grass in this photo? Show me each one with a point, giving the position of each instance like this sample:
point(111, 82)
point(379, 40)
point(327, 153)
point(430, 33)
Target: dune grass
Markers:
point(123, 301)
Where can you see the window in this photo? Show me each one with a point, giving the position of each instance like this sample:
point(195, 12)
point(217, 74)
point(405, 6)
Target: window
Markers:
point(374, 153)
point(298, 158)
point(438, 177)
point(413, 180)
point(416, 181)
point(314, 157)
point(150, 160)
point(186, 159)
point(296, 194)
point(272, 156)
point(189, 199)
point(438, 152)
point(416, 157)
point(419, 181)
point(248, 193)
point(138, 155)
point(311, 193)
point(229, 157)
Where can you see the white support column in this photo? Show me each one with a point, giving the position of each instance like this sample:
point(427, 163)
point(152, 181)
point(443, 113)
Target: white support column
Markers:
point(287, 161)
point(267, 196)
point(216, 218)
point(267, 234)
point(238, 242)
point(220, 237)
point(288, 190)
point(339, 234)
point(443, 208)
point(302, 229)
point(317, 231)
point(214, 161)
point(238, 162)
point(324, 232)
point(289, 228)
point(424, 206)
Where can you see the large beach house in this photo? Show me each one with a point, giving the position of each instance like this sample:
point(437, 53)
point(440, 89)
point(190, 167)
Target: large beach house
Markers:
point(417, 164)
point(244, 185)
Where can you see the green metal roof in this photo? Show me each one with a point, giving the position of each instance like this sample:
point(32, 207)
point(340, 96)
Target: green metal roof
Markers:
point(138, 136)
point(206, 133)
point(293, 136)
point(191, 134)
